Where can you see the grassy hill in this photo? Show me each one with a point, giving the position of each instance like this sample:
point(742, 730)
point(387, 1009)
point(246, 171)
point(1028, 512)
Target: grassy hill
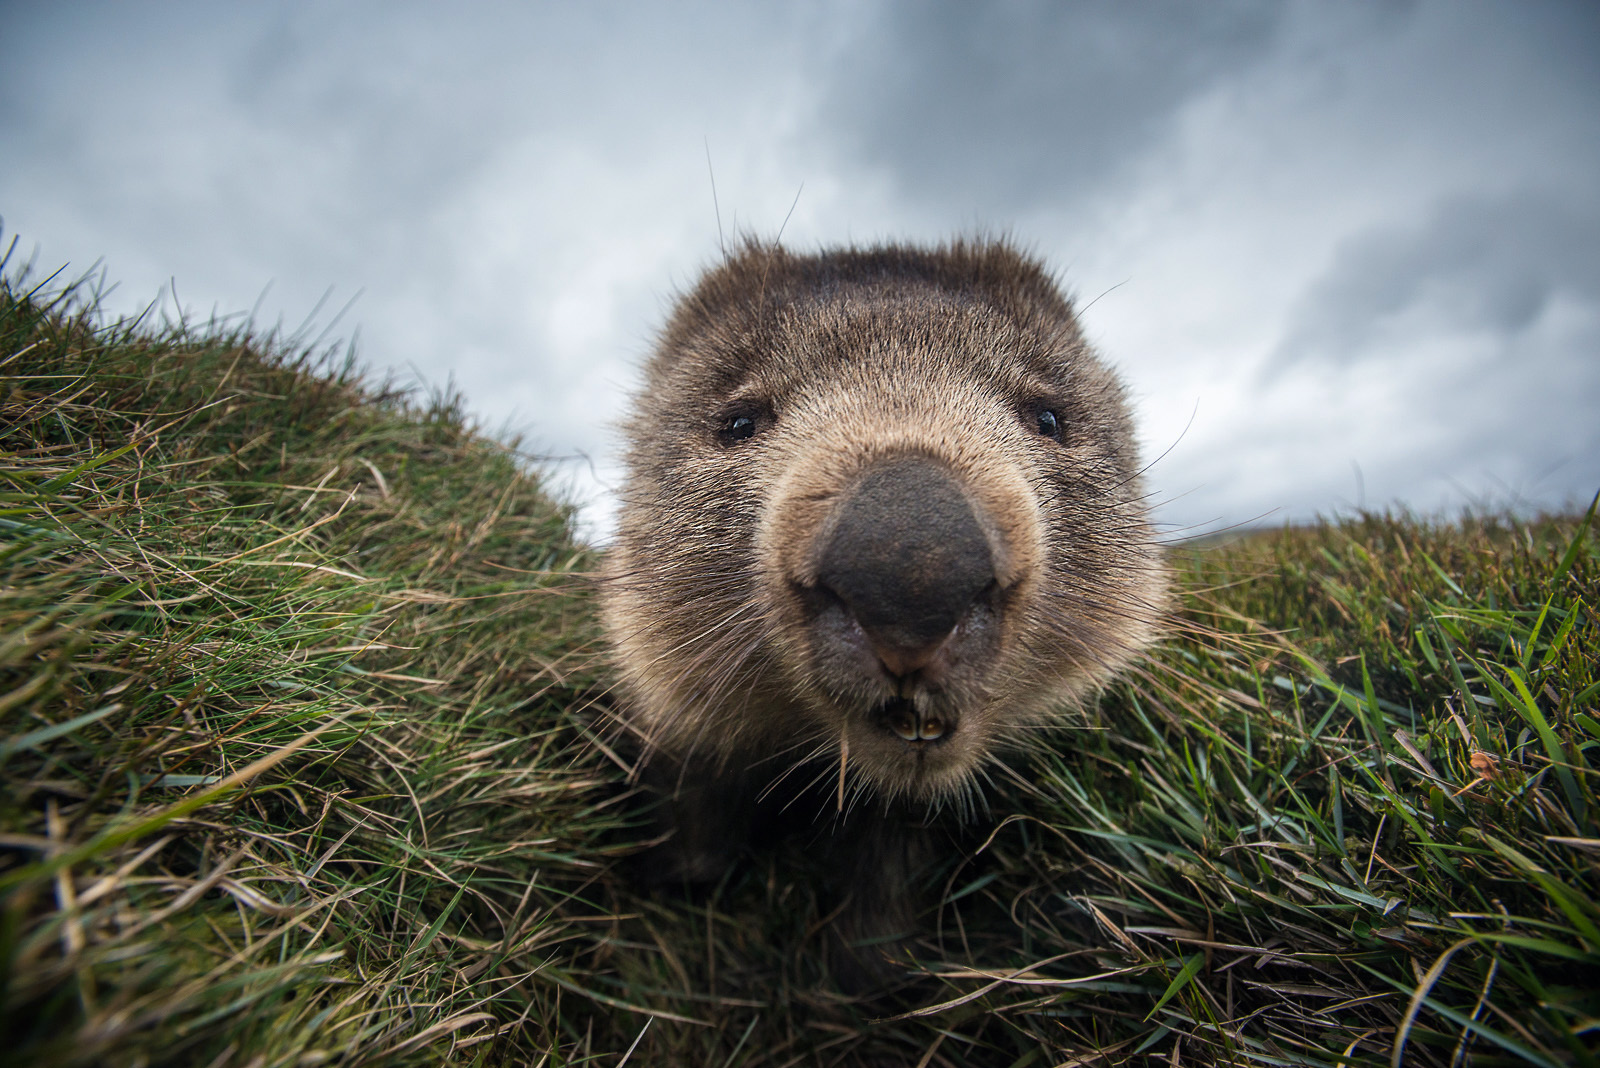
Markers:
point(303, 737)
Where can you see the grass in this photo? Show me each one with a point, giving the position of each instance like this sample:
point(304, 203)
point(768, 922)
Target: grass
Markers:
point(301, 732)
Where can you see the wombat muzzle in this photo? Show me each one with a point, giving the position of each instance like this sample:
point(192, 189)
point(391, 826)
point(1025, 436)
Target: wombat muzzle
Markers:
point(907, 557)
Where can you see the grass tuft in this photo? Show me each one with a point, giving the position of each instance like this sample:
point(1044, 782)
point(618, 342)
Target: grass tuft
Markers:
point(299, 699)
point(288, 677)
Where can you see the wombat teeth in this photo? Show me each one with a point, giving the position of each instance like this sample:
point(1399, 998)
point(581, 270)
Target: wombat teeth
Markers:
point(903, 720)
point(908, 723)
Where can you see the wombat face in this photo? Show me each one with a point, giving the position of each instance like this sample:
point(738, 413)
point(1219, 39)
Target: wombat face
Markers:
point(883, 512)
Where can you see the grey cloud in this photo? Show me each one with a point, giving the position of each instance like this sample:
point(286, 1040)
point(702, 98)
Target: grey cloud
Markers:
point(519, 187)
point(1478, 265)
point(1455, 358)
point(1008, 104)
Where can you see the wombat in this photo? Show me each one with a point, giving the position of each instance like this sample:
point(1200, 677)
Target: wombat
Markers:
point(882, 520)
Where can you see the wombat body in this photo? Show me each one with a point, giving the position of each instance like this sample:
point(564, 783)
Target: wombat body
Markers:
point(882, 519)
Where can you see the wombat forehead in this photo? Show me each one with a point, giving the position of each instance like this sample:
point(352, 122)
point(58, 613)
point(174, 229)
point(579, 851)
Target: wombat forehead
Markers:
point(811, 347)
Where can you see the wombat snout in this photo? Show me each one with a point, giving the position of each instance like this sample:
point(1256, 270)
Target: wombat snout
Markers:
point(906, 557)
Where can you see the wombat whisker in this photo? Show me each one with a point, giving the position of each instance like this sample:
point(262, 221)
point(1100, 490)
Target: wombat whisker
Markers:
point(818, 748)
point(860, 790)
point(713, 696)
point(970, 800)
point(715, 663)
point(690, 640)
point(811, 759)
point(822, 770)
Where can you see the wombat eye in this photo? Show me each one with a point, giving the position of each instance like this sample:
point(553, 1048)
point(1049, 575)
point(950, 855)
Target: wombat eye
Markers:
point(737, 429)
point(1049, 425)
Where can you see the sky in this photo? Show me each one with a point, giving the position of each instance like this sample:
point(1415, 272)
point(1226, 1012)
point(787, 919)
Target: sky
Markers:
point(1344, 254)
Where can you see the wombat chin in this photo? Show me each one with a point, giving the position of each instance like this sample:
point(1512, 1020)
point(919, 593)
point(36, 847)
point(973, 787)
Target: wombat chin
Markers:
point(883, 518)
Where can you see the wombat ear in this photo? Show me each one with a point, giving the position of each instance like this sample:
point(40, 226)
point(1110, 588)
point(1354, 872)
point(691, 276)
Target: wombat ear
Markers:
point(731, 296)
point(1014, 282)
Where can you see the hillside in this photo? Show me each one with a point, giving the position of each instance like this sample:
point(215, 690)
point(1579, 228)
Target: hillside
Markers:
point(305, 746)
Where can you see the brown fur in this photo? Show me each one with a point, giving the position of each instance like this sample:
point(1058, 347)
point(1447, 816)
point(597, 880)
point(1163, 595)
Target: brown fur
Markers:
point(746, 654)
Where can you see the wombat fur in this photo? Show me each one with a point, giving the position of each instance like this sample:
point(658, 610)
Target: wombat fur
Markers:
point(882, 520)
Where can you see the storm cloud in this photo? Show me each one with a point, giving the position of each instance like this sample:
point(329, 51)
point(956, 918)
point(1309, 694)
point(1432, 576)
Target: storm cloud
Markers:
point(1491, 268)
point(1023, 103)
point(1318, 239)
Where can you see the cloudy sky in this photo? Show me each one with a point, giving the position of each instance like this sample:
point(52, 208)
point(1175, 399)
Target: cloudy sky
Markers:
point(1344, 253)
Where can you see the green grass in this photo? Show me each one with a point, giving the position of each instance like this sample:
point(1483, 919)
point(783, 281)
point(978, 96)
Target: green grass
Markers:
point(302, 732)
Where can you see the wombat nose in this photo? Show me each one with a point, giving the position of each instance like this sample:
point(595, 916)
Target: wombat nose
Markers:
point(908, 558)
